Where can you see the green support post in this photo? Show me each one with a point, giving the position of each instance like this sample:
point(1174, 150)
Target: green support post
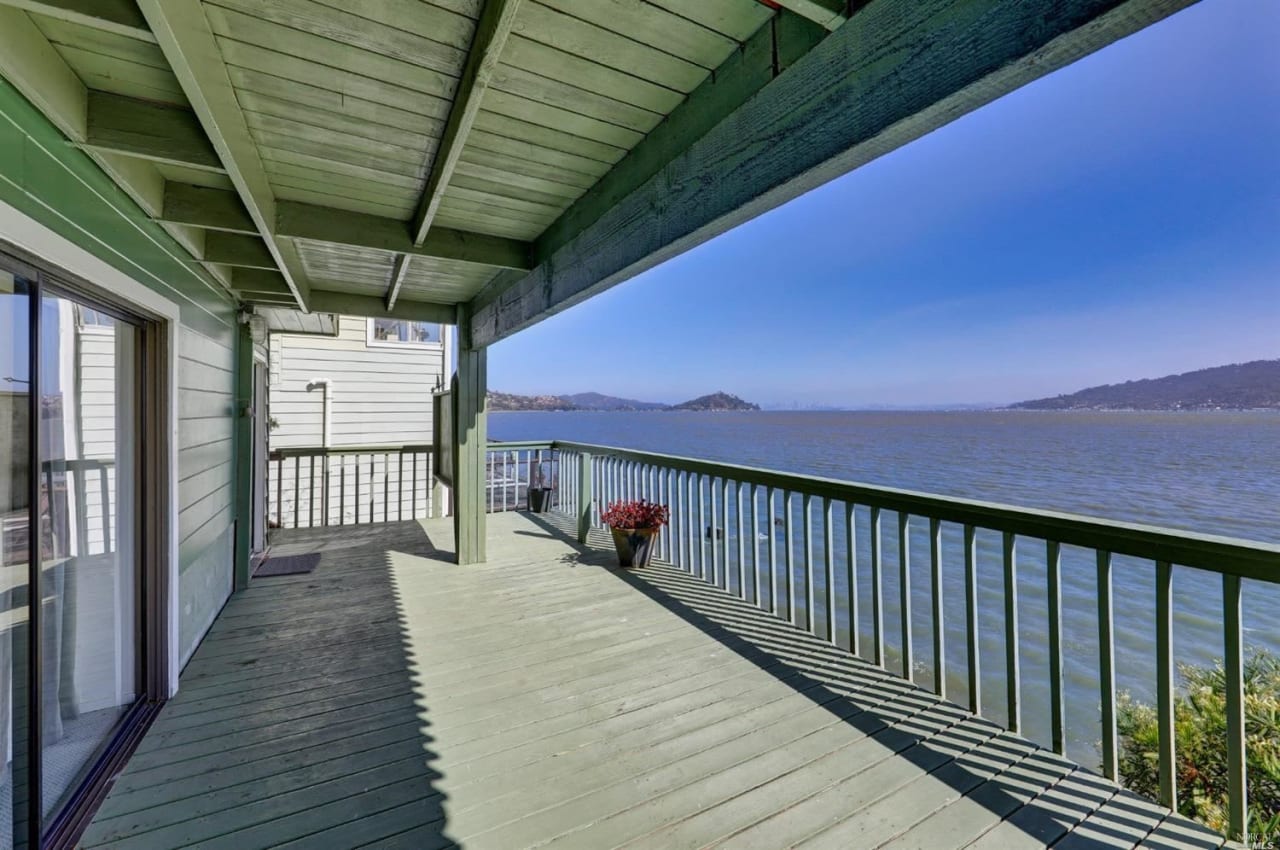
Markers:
point(470, 436)
point(585, 497)
point(244, 454)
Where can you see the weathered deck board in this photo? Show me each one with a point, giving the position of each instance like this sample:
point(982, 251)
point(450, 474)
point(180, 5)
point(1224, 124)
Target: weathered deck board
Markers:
point(393, 699)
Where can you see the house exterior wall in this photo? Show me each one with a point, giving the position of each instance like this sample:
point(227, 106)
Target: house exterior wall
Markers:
point(52, 183)
point(380, 394)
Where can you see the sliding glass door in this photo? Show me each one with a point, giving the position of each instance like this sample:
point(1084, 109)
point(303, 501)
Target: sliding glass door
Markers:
point(72, 636)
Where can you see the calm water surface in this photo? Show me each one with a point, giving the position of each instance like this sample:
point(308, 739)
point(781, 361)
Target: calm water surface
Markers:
point(1209, 472)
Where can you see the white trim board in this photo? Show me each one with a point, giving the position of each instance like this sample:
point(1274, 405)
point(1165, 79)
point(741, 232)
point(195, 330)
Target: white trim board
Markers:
point(34, 237)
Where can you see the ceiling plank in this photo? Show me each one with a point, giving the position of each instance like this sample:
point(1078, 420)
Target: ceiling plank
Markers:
point(200, 206)
point(115, 16)
point(235, 249)
point(372, 306)
point(325, 224)
point(496, 21)
point(148, 130)
point(897, 70)
point(184, 36)
point(827, 14)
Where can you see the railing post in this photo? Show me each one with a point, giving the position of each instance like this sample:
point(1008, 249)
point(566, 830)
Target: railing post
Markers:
point(470, 434)
point(585, 496)
point(244, 457)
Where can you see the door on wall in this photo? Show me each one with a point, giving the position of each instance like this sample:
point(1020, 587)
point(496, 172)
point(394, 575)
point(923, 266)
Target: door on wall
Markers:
point(74, 641)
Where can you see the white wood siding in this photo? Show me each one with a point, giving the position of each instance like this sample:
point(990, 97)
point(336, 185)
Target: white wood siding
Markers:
point(380, 395)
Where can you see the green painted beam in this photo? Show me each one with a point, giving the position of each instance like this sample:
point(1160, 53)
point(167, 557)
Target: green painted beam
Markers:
point(339, 227)
point(192, 51)
point(898, 69)
point(140, 128)
point(368, 305)
point(115, 16)
point(200, 206)
point(495, 23)
point(470, 435)
point(828, 14)
point(251, 282)
point(235, 249)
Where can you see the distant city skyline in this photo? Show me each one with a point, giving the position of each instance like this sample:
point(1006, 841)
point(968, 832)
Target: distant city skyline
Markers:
point(1116, 220)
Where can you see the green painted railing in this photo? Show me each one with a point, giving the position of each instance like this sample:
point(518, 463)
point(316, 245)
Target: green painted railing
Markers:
point(716, 508)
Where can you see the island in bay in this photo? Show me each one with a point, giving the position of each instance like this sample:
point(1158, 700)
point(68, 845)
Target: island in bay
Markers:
point(719, 401)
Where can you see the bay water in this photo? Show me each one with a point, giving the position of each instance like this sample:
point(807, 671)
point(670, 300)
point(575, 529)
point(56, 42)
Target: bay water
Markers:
point(1213, 472)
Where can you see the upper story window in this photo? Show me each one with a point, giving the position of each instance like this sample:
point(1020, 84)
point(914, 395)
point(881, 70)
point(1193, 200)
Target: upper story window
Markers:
point(403, 332)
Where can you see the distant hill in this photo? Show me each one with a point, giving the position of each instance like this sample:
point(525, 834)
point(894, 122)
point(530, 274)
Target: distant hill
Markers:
point(1240, 386)
point(511, 401)
point(600, 402)
point(716, 401)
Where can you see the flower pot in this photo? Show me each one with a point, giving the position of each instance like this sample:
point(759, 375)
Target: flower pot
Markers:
point(634, 545)
point(539, 499)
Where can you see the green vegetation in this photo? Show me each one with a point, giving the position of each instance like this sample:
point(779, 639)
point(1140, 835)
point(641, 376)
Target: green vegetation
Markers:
point(1200, 734)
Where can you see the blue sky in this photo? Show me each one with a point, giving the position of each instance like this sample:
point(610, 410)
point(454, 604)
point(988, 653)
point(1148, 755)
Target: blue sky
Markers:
point(1118, 219)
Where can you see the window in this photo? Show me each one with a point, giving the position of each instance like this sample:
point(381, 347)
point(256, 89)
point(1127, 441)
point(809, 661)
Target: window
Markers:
point(403, 332)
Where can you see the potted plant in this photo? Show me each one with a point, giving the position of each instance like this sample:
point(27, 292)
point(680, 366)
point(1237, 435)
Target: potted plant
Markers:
point(539, 492)
point(634, 524)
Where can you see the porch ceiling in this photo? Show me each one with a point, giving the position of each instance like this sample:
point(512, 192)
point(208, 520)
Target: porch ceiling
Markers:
point(513, 156)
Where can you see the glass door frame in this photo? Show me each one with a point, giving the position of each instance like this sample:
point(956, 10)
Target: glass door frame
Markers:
point(151, 629)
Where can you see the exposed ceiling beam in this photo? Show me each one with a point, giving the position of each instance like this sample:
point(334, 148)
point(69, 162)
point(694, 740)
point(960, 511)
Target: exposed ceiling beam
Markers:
point(140, 128)
point(117, 16)
point(897, 70)
point(259, 282)
point(35, 68)
point(234, 249)
point(827, 14)
point(184, 36)
point(212, 209)
point(495, 23)
point(492, 29)
point(326, 224)
point(372, 306)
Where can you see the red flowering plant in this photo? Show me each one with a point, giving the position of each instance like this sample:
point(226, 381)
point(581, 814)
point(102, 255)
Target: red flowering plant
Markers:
point(635, 513)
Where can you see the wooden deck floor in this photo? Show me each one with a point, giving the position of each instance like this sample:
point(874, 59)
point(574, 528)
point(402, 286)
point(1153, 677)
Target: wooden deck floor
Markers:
point(393, 699)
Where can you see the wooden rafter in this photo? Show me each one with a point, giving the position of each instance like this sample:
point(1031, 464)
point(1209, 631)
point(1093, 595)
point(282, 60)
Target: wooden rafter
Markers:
point(896, 71)
point(115, 16)
point(339, 227)
point(148, 130)
point(348, 304)
point(184, 36)
point(827, 14)
point(492, 29)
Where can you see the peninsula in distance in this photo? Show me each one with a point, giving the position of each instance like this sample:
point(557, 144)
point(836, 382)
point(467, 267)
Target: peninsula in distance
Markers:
point(596, 401)
point(1239, 386)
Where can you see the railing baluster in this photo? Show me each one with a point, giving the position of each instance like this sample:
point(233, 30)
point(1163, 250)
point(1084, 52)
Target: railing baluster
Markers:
point(701, 529)
point(355, 503)
point(789, 540)
point(1233, 662)
point(742, 543)
point(1013, 686)
point(1053, 577)
point(829, 559)
point(386, 486)
point(280, 492)
point(413, 499)
point(400, 486)
point(311, 492)
point(773, 550)
point(1107, 668)
point(877, 590)
point(755, 543)
point(939, 630)
point(297, 483)
point(716, 566)
point(971, 618)
point(1164, 684)
point(904, 592)
point(810, 586)
point(851, 573)
point(724, 533)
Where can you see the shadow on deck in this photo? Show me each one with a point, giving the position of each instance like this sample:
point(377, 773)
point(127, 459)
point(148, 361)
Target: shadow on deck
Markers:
point(393, 699)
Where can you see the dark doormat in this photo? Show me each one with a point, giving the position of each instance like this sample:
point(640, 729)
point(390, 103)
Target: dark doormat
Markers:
point(288, 565)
